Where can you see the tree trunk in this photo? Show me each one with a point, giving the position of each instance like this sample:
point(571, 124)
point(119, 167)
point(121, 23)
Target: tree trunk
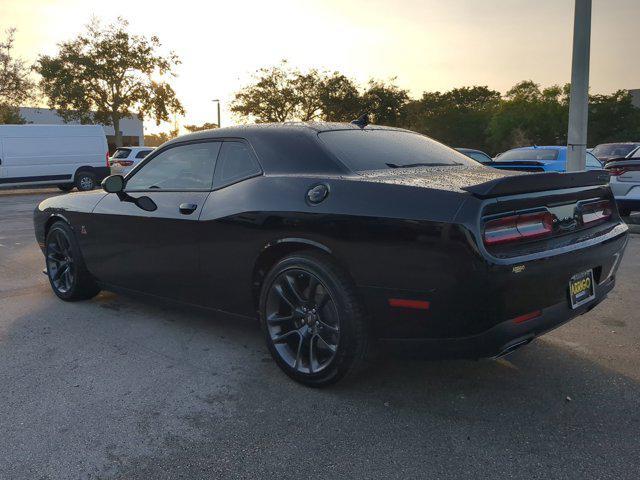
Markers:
point(116, 127)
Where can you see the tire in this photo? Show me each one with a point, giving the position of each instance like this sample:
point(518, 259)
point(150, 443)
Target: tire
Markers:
point(65, 188)
point(85, 181)
point(328, 324)
point(624, 212)
point(66, 271)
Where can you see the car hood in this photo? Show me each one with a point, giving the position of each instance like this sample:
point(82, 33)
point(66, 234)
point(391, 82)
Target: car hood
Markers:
point(452, 179)
point(83, 202)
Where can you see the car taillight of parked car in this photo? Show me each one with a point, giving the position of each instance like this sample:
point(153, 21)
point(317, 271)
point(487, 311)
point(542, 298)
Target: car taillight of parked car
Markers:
point(596, 212)
point(107, 157)
point(123, 163)
point(516, 228)
point(617, 171)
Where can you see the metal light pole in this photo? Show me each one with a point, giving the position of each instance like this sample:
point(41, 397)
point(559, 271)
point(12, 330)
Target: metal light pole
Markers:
point(218, 101)
point(579, 100)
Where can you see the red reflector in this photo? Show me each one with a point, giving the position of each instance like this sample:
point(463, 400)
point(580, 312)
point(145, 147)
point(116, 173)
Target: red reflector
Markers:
point(527, 316)
point(404, 303)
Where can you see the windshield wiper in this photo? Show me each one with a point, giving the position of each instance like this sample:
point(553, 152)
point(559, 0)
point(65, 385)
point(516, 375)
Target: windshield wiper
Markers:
point(410, 165)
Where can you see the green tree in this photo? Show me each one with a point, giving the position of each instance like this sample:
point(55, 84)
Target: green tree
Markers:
point(459, 117)
point(281, 93)
point(613, 118)
point(385, 103)
point(107, 74)
point(15, 85)
point(530, 115)
point(157, 139)
point(199, 128)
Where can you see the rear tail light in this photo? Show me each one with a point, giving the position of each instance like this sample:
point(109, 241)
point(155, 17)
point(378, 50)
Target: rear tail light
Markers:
point(125, 163)
point(518, 227)
point(107, 157)
point(617, 171)
point(596, 212)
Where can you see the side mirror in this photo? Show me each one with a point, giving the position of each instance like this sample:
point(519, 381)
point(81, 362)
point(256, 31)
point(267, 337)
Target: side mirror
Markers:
point(113, 184)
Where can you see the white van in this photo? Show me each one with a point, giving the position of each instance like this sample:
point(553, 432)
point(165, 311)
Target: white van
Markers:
point(61, 155)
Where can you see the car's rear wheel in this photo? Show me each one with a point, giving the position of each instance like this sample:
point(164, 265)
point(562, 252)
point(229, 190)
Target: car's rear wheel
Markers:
point(313, 322)
point(67, 273)
point(85, 181)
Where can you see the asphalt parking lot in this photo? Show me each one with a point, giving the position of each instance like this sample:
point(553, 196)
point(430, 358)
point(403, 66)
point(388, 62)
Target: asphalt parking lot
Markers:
point(118, 387)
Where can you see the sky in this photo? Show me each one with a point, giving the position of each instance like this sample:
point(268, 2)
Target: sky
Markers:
point(427, 45)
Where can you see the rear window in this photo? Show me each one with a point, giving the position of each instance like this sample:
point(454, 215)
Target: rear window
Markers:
point(529, 154)
point(478, 157)
point(362, 150)
point(143, 153)
point(613, 149)
point(121, 153)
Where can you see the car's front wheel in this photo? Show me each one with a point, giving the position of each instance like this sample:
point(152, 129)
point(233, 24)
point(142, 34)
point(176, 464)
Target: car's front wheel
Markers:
point(67, 273)
point(313, 322)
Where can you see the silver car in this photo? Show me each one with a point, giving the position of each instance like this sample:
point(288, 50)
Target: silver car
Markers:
point(125, 158)
point(625, 181)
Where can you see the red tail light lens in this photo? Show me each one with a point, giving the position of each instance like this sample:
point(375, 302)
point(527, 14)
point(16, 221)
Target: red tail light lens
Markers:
point(518, 227)
point(596, 212)
point(107, 157)
point(617, 171)
point(125, 163)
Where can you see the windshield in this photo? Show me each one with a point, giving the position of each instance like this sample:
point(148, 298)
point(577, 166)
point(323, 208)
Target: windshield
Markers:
point(362, 150)
point(121, 153)
point(613, 149)
point(528, 154)
point(479, 157)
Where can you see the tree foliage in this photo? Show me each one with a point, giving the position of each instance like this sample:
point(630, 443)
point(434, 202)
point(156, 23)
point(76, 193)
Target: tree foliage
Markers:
point(157, 139)
point(106, 74)
point(281, 93)
point(15, 85)
point(458, 117)
point(199, 128)
point(474, 117)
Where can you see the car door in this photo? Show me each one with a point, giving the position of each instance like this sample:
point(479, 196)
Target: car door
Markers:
point(154, 251)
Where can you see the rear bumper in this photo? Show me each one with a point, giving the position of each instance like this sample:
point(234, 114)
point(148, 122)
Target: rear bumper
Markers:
point(504, 337)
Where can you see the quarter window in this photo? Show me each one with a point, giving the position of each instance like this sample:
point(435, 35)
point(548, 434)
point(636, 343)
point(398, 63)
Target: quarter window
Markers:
point(185, 167)
point(235, 163)
point(143, 153)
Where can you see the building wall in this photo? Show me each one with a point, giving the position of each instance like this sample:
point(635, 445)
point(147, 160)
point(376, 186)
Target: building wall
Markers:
point(132, 128)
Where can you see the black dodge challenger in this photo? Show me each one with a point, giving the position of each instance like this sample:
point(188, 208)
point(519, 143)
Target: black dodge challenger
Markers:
point(340, 236)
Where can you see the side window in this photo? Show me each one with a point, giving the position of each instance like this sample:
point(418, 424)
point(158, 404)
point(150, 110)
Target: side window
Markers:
point(143, 153)
point(236, 162)
point(185, 167)
point(592, 161)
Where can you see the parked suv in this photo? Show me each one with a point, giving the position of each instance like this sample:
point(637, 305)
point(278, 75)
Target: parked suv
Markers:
point(125, 158)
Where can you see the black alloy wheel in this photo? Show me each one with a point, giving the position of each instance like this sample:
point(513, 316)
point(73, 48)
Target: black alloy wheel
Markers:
point(67, 273)
point(60, 265)
point(313, 322)
point(302, 321)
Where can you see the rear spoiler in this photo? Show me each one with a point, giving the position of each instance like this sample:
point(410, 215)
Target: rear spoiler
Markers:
point(538, 182)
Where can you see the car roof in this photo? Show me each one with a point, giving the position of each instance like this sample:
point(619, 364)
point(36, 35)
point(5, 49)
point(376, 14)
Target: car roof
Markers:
point(136, 148)
point(286, 148)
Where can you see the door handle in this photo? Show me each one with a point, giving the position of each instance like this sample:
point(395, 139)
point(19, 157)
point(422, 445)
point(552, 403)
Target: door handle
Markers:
point(187, 208)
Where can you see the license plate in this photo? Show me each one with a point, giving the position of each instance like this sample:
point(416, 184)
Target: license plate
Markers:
point(581, 288)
